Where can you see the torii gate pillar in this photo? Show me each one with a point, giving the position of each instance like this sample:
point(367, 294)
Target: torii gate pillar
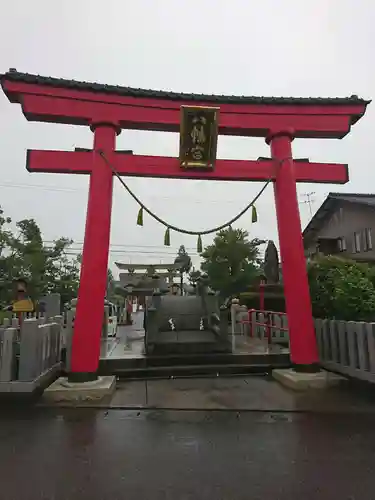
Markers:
point(89, 313)
point(302, 338)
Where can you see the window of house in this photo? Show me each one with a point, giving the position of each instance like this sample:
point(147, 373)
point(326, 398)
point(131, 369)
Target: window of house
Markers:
point(342, 244)
point(367, 239)
point(364, 240)
point(357, 242)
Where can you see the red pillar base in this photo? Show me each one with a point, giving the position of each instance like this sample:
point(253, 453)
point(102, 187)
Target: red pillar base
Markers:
point(80, 377)
point(313, 368)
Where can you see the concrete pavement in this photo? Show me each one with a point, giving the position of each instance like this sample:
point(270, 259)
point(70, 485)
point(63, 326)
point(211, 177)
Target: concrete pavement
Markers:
point(250, 393)
point(250, 440)
point(162, 455)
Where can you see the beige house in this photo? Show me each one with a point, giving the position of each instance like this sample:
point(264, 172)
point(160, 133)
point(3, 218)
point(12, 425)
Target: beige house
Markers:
point(343, 225)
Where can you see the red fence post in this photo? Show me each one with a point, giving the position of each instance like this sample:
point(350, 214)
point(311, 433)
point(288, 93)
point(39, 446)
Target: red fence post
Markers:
point(268, 327)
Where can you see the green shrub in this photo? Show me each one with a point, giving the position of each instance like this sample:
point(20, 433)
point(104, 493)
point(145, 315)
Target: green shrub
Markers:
point(342, 289)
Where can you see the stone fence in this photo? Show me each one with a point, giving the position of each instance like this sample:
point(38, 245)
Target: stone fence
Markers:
point(345, 347)
point(30, 353)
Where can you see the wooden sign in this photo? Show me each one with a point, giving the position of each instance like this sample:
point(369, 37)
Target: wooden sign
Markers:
point(24, 305)
point(198, 137)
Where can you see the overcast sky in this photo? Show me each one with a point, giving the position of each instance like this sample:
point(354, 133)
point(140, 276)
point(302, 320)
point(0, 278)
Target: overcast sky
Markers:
point(319, 48)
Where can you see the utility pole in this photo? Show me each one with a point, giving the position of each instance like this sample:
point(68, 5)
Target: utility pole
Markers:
point(309, 200)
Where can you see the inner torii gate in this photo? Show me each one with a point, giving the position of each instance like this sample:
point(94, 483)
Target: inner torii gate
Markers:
point(108, 109)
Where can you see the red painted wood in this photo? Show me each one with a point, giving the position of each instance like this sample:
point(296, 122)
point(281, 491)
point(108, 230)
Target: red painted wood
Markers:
point(73, 106)
point(79, 162)
point(58, 110)
point(303, 348)
point(93, 281)
point(16, 90)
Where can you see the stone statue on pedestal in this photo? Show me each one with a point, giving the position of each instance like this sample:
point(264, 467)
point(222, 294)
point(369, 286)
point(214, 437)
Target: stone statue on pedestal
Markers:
point(271, 263)
point(189, 324)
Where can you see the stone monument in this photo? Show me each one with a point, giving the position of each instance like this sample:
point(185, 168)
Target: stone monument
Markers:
point(190, 324)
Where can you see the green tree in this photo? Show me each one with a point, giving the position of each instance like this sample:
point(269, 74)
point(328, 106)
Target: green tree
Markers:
point(232, 261)
point(8, 260)
point(111, 285)
point(341, 289)
point(47, 269)
point(184, 261)
point(65, 278)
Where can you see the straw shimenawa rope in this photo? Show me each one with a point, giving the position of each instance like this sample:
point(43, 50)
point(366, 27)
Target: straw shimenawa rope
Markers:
point(171, 227)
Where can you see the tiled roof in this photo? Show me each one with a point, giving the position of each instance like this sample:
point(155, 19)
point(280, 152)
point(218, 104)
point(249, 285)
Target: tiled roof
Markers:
point(328, 206)
point(363, 199)
point(14, 75)
point(144, 267)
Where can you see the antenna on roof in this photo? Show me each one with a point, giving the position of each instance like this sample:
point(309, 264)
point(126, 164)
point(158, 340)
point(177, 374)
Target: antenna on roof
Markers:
point(309, 200)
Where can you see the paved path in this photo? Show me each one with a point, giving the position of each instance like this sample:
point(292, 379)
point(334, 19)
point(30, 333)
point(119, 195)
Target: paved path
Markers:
point(252, 393)
point(129, 342)
point(117, 455)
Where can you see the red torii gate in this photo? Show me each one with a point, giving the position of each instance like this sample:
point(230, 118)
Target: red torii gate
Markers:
point(108, 109)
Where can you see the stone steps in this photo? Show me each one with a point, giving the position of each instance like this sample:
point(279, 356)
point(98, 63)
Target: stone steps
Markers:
point(193, 366)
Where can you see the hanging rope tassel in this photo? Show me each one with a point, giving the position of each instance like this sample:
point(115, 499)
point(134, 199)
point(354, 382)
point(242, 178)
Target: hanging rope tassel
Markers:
point(199, 244)
point(254, 215)
point(140, 217)
point(167, 238)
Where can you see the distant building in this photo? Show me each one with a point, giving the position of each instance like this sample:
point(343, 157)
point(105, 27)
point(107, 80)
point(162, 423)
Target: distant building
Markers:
point(138, 273)
point(138, 281)
point(343, 225)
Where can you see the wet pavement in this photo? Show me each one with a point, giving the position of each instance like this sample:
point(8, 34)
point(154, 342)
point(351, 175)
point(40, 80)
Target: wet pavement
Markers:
point(250, 393)
point(222, 392)
point(162, 455)
point(129, 342)
point(250, 439)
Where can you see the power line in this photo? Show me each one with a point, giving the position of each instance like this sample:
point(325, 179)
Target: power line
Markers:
point(122, 245)
point(38, 186)
point(157, 251)
point(80, 191)
point(77, 251)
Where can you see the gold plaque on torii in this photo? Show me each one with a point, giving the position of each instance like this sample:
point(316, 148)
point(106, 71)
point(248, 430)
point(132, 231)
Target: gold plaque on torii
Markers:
point(198, 137)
